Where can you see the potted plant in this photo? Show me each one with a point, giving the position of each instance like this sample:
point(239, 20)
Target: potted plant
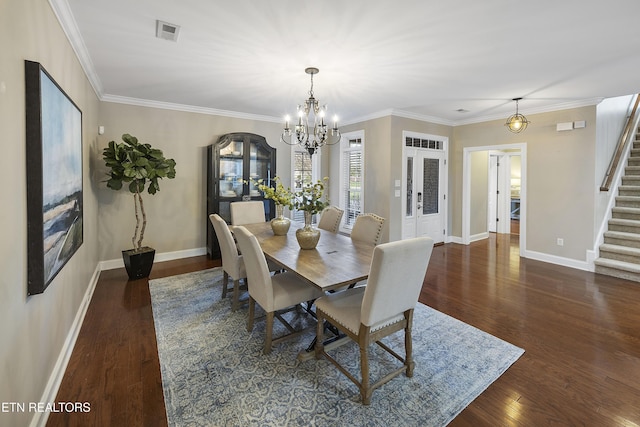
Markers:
point(140, 166)
point(281, 197)
point(311, 199)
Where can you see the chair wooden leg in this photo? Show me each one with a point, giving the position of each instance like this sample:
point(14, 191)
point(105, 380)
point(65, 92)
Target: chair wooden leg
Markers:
point(236, 295)
point(252, 309)
point(225, 284)
point(408, 346)
point(269, 333)
point(365, 390)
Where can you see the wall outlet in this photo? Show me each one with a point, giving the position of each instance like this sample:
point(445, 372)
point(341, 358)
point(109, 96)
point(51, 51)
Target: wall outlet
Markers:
point(560, 242)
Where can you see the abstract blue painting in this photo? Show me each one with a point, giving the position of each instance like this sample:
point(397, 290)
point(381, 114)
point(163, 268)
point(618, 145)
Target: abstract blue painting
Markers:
point(54, 177)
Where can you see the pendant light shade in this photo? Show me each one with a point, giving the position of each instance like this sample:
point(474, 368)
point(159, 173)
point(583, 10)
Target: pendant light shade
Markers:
point(516, 123)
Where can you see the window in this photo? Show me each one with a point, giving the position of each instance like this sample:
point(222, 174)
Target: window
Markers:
point(431, 144)
point(351, 177)
point(304, 171)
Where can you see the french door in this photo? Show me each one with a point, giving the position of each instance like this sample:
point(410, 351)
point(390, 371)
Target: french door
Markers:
point(424, 188)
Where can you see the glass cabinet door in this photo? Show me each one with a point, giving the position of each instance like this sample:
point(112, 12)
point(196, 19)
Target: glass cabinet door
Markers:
point(259, 167)
point(231, 169)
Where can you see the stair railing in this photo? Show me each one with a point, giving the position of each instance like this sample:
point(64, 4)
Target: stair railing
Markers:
point(617, 155)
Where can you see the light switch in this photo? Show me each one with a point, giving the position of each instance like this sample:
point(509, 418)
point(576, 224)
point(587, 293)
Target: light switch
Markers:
point(397, 193)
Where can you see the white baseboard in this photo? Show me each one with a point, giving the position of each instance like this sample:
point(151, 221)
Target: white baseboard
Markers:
point(479, 236)
point(51, 390)
point(553, 259)
point(165, 256)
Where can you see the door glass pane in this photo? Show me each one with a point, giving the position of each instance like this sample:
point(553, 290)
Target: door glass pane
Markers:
point(231, 169)
point(430, 185)
point(409, 186)
point(259, 164)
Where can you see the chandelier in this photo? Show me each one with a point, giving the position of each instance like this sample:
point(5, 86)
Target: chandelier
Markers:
point(311, 138)
point(516, 123)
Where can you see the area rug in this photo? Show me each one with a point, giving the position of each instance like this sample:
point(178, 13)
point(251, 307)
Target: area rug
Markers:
point(214, 372)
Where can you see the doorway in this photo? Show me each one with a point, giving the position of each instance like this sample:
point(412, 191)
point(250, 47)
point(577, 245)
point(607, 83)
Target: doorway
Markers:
point(472, 200)
point(424, 185)
point(504, 192)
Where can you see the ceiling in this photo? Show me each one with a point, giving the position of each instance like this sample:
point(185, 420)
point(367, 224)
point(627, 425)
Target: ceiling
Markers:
point(420, 58)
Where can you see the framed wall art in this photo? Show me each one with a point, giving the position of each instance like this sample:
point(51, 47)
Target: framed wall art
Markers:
point(54, 177)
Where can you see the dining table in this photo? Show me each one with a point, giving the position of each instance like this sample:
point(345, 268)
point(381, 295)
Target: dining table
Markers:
point(336, 262)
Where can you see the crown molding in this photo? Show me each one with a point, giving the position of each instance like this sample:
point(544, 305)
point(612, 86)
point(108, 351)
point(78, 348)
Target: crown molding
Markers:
point(68, 23)
point(187, 108)
point(546, 109)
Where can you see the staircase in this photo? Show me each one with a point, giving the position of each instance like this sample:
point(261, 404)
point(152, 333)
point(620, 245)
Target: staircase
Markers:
point(620, 252)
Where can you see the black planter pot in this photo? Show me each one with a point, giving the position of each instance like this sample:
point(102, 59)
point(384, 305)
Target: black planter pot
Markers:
point(138, 262)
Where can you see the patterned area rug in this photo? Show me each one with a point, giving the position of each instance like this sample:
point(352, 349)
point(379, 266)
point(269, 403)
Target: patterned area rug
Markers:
point(214, 372)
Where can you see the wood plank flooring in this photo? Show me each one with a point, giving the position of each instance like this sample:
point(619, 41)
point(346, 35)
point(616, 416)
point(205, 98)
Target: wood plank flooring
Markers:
point(580, 332)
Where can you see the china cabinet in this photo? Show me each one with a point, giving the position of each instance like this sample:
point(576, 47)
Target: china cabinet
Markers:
point(234, 162)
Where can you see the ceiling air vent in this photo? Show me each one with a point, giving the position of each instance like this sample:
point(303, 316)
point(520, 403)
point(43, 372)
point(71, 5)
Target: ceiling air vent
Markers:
point(167, 31)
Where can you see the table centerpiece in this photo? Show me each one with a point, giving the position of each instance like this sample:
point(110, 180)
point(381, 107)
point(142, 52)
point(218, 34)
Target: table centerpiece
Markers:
point(311, 199)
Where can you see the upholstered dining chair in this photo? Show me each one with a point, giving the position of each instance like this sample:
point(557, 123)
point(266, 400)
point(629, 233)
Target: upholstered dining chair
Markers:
point(368, 228)
point(273, 293)
point(232, 262)
point(248, 212)
point(383, 307)
point(330, 219)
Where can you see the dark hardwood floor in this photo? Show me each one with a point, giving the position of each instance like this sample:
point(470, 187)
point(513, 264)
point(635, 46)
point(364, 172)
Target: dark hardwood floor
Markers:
point(580, 332)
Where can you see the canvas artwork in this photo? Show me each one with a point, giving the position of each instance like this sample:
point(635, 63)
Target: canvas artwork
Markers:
point(54, 177)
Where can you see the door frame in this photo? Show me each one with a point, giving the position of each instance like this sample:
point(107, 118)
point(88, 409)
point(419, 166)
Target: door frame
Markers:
point(466, 189)
point(444, 185)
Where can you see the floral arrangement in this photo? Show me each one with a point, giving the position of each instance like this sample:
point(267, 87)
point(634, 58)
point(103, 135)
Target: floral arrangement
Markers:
point(310, 198)
point(280, 195)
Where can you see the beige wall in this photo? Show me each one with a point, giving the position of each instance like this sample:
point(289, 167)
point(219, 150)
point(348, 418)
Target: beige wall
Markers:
point(560, 179)
point(176, 216)
point(33, 330)
point(383, 165)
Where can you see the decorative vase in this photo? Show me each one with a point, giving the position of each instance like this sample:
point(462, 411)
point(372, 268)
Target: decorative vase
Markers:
point(307, 236)
point(280, 225)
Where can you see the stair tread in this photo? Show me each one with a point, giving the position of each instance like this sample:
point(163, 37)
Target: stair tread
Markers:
point(621, 221)
point(608, 247)
point(622, 235)
point(620, 265)
point(627, 209)
point(627, 198)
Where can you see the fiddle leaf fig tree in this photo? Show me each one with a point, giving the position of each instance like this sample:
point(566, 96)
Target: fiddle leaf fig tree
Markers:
point(138, 166)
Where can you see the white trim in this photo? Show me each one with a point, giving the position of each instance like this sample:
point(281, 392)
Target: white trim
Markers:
point(55, 379)
point(466, 190)
point(68, 23)
point(481, 119)
point(165, 256)
point(187, 108)
point(479, 236)
point(554, 259)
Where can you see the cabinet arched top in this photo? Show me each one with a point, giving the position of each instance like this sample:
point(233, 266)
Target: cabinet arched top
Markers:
point(228, 138)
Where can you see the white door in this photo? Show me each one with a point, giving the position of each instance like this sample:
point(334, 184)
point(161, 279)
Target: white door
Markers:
point(424, 204)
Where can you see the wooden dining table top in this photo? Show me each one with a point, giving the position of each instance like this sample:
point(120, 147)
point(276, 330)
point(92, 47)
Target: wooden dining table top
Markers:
point(336, 261)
